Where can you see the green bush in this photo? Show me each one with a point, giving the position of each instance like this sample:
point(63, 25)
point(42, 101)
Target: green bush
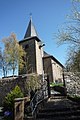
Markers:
point(52, 84)
point(9, 99)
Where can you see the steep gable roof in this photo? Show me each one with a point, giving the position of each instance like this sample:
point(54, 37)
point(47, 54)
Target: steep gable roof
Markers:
point(31, 31)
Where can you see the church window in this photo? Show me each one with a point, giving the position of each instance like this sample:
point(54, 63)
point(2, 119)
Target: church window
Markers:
point(26, 46)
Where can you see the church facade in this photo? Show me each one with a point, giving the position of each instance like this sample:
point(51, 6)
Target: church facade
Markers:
point(53, 68)
point(38, 61)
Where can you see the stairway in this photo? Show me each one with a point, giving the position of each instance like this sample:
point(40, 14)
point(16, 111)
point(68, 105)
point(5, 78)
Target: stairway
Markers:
point(59, 108)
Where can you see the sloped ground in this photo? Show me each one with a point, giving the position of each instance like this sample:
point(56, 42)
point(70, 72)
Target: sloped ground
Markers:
point(59, 108)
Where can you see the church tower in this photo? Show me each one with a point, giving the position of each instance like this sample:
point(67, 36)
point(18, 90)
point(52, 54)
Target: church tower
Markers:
point(33, 47)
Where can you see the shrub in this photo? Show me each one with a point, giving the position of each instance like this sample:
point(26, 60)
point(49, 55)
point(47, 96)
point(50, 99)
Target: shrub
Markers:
point(33, 83)
point(9, 99)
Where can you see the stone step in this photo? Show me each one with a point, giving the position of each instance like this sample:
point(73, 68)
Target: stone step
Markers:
point(61, 118)
point(59, 114)
point(57, 96)
point(60, 109)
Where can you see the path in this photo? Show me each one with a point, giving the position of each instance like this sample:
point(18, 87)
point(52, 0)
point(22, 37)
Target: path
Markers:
point(59, 108)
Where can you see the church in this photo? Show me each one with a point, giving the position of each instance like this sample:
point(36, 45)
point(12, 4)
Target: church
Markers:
point(37, 60)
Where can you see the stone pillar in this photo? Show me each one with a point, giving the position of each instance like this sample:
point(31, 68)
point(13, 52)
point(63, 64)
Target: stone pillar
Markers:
point(19, 109)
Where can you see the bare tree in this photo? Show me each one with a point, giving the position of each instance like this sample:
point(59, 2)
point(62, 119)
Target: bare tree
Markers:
point(70, 34)
point(3, 63)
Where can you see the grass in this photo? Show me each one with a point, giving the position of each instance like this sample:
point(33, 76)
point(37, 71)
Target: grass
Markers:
point(55, 84)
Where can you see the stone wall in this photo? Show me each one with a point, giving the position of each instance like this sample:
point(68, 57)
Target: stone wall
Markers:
point(8, 84)
point(53, 69)
point(39, 55)
point(29, 46)
point(19, 109)
point(72, 81)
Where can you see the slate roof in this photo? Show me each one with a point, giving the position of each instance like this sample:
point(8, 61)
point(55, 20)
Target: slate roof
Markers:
point(31, 31)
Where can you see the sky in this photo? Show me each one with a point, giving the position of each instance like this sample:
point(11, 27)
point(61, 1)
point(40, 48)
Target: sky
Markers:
point(48, 16)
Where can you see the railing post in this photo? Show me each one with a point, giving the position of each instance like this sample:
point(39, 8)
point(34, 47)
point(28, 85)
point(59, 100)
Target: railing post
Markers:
point(48, 85)
point(64, 79)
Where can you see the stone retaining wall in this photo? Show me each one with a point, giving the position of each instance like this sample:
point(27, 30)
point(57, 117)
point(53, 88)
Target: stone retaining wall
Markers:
point(7, 84)
point(72, 81)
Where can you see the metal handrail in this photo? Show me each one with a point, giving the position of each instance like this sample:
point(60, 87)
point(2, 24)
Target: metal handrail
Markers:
point(40, 95)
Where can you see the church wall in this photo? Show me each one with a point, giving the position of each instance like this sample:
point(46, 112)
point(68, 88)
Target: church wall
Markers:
point(53, 69)
point(48, 68)
point(57, 71)
point(29, 46)
point(39, 54)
